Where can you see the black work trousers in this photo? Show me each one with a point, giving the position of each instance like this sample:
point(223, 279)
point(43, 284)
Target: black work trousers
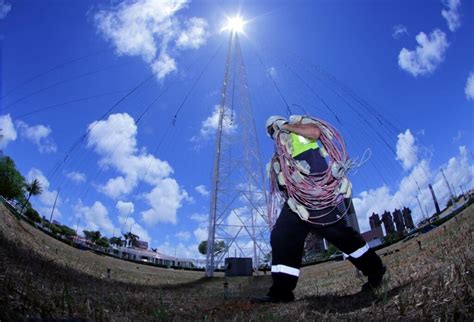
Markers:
point(287, 241)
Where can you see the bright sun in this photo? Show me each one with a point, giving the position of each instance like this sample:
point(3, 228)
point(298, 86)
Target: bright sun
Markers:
point(235, 24)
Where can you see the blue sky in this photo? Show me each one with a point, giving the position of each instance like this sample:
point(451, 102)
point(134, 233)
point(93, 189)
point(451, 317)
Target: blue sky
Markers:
point(65, 64)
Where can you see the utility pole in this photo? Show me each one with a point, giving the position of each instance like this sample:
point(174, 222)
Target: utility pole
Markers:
point(54, 207)
point(421, 208)
point(449, 187)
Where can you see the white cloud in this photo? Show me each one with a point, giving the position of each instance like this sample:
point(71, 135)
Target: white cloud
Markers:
point(127, 222)
point(452, 15)
point(201, 189)
point(469, 89)
point(77, 177)
point(95, 217)
point(47, 197)
point(399, 31)
point(195, 34)
point(7, 131)
point(165, 200)
point(39, 135)
point(114, 140)
point(125, 208)
point(200, 218)
point(458, 136)
point(427, 56)
point(407, 149)
point(153, 30)
point(200, 233)
point(210, 124)
point(5, 8)
point(183, 235)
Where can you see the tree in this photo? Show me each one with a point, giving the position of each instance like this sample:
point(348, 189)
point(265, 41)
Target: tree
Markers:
point(116, 241)
point(12, 182)
point(33, 215)
point(132, 238)
point(102, 241)
point(91, 235)
point(391, 237)
point(34, 188)
point(67, 231)
point(219, 247)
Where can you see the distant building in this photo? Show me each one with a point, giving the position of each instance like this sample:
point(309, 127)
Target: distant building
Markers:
point(351, 217)
point(374, 236)
point(374, 221)
point(398, 219)
point(407, 218)
point(388, 222)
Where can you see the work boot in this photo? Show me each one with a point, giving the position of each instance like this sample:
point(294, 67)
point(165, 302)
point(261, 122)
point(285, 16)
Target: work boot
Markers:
point(273, 299)
point(374, 280)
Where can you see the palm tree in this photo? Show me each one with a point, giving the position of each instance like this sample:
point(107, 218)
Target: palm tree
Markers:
point(132, 238)
point(34, 188)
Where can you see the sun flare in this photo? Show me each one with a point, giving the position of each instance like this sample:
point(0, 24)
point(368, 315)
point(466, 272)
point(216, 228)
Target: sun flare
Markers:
point(235, 24)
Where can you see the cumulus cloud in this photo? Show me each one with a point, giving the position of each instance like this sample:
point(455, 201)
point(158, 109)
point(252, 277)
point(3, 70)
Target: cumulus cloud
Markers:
point(202, 190)
point(210, 124)
point(153, 30)
point(128, 223)
point(40, 135)
point(94, 217)
point(47, 197)
point(5, 8)
point(7, 131)
point(76, 177)
point(194, 36)
point(183, 235)
point(427, 56)
point(165, 199)
point(452, 14)
point(201, 234)
point(459, 170)
point(399, 31)
point(114, 139)
point(407, 150)
point(469, 89)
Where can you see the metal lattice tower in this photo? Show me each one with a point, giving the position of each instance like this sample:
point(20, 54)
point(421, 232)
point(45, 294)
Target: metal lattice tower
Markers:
point(239, 207)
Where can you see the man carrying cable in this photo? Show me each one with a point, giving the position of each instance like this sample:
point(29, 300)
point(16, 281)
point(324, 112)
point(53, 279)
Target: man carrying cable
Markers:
point(308, 170)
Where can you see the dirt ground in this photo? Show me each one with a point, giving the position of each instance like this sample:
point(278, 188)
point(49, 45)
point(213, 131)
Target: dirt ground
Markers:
point(43, 278)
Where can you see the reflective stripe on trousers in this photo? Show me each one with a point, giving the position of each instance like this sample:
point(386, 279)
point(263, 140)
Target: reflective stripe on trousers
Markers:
point(285, 269)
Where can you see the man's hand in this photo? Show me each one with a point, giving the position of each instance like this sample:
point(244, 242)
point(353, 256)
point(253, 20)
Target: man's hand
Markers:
point(278, 125)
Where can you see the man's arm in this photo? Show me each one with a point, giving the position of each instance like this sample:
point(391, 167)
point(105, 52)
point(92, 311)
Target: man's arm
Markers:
point(310, 131)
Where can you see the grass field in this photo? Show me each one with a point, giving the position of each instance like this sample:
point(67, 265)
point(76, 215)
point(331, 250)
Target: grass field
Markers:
point(41, 277)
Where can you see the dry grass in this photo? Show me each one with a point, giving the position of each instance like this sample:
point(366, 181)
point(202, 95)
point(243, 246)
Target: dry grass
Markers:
point(41, 277)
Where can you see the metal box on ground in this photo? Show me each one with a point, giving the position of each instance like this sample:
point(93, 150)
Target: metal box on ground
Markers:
point(238, 266)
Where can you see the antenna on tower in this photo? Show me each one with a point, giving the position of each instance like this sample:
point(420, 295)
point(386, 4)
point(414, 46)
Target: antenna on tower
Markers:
point(239, 202)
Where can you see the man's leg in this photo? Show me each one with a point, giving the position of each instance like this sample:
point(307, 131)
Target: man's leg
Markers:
point(287, 241)
point(360, 254)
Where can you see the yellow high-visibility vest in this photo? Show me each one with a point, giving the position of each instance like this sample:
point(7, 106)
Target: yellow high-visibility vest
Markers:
point(301, 144)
